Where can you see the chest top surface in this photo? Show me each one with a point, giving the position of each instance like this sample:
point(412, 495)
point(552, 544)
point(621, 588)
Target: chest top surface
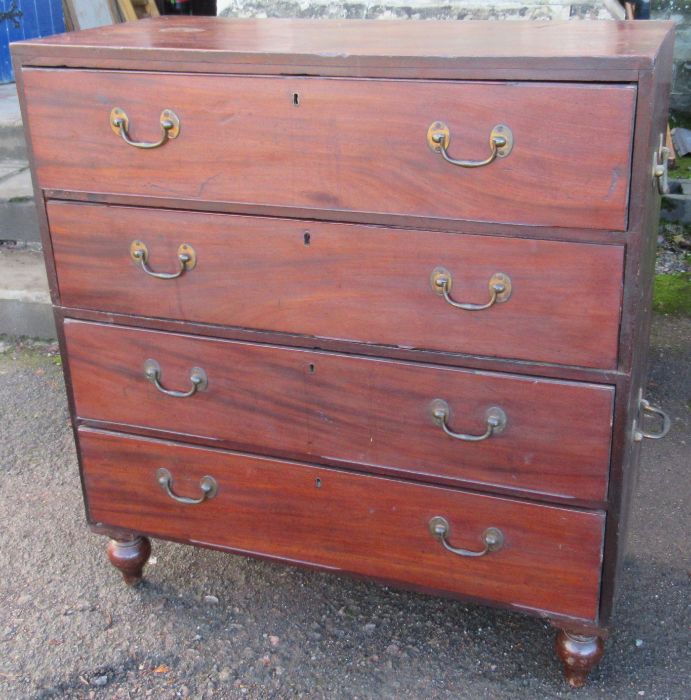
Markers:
point(361, 46)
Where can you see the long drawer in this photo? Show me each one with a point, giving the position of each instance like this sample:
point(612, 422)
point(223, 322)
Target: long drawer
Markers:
point(541, 557)
point(363, 283)
point(543, 436)
point(340, 145)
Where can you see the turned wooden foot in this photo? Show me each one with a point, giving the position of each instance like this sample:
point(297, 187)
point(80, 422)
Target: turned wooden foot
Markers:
point(579, 654)
point(129, 556)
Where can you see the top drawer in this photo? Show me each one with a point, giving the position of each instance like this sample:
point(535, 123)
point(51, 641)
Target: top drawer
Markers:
point(346, 145)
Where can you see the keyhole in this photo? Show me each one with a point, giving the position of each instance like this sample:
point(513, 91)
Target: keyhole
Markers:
point(318, 483)
point(296, 99)
point(307, 237)
point(311, 368)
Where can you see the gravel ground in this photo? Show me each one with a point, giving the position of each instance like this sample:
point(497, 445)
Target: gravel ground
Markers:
point(207, 624)
point(673, 248)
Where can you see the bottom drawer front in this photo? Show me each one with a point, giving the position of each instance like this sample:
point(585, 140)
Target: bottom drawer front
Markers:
point(380, 527)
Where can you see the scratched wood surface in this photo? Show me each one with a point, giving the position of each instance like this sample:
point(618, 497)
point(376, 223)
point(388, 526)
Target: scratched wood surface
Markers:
point(350, 282)
point(570, 50)
point(349, 410)
point(348, 145)
point(636, 53)
point(651, 123)
point(350, 522)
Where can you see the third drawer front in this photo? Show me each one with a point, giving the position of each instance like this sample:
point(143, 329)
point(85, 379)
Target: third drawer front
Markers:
point(540, 436)
point(362, 283)
point(543, 557)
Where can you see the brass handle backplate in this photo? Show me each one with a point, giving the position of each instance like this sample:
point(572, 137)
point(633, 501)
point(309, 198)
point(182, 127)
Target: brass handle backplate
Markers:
point(645, 407)
point(495, 421)
point(500, 144)
point(660, 166)
point(499, 289)
point(170, 128)
point(152, 371)
point(492, 537)
point(187, 259)
point(207, 484)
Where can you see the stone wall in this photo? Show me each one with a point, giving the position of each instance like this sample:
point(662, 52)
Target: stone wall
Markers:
point(677, 10)
point(415, 9)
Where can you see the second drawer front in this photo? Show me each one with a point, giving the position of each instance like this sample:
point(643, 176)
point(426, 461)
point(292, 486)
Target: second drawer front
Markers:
point(550, 558)
point(338, 409)
point(367, 284)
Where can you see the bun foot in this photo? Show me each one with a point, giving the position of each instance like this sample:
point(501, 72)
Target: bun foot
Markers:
point(579, 654)
point(129, 556)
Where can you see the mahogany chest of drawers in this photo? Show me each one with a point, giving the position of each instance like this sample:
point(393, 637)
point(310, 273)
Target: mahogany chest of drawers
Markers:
point(368, 296)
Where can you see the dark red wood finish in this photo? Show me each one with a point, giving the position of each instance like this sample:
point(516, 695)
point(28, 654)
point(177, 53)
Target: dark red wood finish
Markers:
point(345, 282)
point(579, 654)
point(348, 522)
point(636, 52)
point(557, 233)
point(651, 122)
point(129, 556)
point(349, 410)
point(447, 359)
point(349, 145)
point(598, 51)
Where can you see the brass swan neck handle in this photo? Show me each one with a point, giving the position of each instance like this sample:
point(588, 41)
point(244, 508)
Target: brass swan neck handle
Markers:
point(500, 144)
point(492, 537)
point(169, 121)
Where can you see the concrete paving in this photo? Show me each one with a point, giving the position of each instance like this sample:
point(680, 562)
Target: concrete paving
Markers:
point(25, 308)
point(211, 625)
point(12, 143)
point(24, 297)
point(18, 220)
point(23, 275)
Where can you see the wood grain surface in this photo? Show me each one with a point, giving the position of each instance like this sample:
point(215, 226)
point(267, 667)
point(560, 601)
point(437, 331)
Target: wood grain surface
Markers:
point(349, 145)
point(346, 282)
point(550, 561)
point(521, 50)
point(548, 233)
point(651, 122)
point(337, 409)
point(449, 359)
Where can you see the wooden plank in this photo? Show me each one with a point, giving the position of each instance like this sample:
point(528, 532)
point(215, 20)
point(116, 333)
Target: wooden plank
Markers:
point(145, 8)
point(127, 10)
point(152, 8)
